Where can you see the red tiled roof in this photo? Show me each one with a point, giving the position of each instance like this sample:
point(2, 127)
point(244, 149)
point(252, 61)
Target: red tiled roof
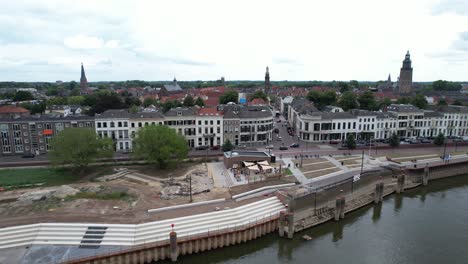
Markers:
point(258, 101)
point(212, 101)
point(209, 111)
point(12, 109)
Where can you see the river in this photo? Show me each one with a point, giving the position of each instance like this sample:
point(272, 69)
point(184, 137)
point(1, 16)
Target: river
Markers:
point(423, 225)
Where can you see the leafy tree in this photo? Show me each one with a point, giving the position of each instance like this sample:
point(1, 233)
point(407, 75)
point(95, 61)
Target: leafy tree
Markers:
point(322, 99)
point(188, 101)
point(442, 102)
point(199, 102)
point(57, 101)
point(73, 85)
point(348, 101)
point(35, 108)
point(394, 140)
point(229, 96)
point(23, 96)
point(419, 101)
point(134, 109)
point(259, 95)
point(130, 101)
point(160, 145)
point(354, 84)
point(75, 92)
point(367, 101)
point(404, 100)
point(458, 102)
point(149, 101)
point(227, 146)
point(105, 100)
point(439, 140)
point(385, 102)
point(344, 87)
point(75, 100)
point(442, 85)
point(314, 96)
point(350, 142)
point(79, 147)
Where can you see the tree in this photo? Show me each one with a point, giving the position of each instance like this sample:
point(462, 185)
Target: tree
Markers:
point(75, 92)
point(188, 101)
point(79, 147)
point(160, 145)
point(344, 87)
point(458, 102)
point(394, 140)
point(322, 99)
point(419, 101)
point(403, 100)
point(105, 100)
point(350, 141)
point(149, 101)
point(23, 96)
point(439, 140)
point(367, 101)
point(227, 146)
point(229, 96)
point(442, 102)
point(75, 100)
point(259, 95)
point(348, 101)
point(385, 102)
point(57, 101)
point(199, 102)
point(442, 85)
point(72, 85)
point(354, 84)
point(35, 108)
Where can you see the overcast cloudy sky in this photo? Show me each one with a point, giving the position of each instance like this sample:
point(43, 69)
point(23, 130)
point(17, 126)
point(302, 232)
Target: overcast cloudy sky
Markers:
point(204, 40)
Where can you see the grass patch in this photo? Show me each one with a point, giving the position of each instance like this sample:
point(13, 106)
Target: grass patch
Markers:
point(101, 196)
point(288, 172)
point(15, 178)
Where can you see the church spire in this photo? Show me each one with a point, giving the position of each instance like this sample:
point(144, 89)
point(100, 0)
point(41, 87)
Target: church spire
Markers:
point(267, 80)
point(83, 80)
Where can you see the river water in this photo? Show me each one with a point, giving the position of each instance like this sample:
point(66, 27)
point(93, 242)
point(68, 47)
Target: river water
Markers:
point(424, 225)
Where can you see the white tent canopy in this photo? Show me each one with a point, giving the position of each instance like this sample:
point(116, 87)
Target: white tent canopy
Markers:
point(254, 168)
point(264, 162)
point(248, 164)
point(266, 167)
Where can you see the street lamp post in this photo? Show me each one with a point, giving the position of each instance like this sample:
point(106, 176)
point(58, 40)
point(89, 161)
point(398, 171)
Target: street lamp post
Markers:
point(362, 161)
point(190, 187)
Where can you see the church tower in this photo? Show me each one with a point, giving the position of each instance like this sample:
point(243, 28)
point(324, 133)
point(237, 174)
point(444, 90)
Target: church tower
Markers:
point(83, 80)
point(405, 83)
point(267, 81)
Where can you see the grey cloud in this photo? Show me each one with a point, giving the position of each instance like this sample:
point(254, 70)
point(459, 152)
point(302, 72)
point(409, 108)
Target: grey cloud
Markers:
point(459, 7)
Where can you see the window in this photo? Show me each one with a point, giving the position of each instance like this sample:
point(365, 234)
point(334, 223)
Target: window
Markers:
point(104, 124)
point(112, 124)
point(125, 124)
point(119, 124)
point(80, 124)
point(98, 124)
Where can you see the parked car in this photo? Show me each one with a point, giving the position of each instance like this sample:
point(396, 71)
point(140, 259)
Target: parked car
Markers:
point(217, 147)
point(276, 130)
point(334, 142)
point(279, 138)
point(279, 120)
point(294, 145)
point(28, 156)
point(413, 141)
point(269, 147)
point(201, 147)
point(425, 140)
point(283, 148)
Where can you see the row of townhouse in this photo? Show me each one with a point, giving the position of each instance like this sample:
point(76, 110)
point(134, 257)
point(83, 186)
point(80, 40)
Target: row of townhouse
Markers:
point(407, 121)
point(32, 134)
point(242, 125)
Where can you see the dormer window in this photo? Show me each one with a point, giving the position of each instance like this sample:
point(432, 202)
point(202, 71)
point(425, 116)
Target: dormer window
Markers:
point(179, 113)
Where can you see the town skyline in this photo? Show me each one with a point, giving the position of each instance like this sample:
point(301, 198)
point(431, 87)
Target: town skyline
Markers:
point(309, 42)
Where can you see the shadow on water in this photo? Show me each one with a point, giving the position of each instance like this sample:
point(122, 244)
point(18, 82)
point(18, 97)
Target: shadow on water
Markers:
point(284, 248)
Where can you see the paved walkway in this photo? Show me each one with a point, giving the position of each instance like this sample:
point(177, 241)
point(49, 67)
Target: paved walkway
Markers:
point(295, 171)
point(337, 164)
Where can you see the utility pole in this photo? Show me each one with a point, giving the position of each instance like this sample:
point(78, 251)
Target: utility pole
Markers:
point(362, 162)
point(445, 147)
point(190, 187)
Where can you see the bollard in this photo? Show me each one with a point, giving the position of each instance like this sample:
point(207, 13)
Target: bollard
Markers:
point(337, 209)
point(425, 177)
point(290, 225)
point(381, 191)
point(377, 193)
point(342, 207)
point(281, 224)
point(173, 246)
point(400, 187)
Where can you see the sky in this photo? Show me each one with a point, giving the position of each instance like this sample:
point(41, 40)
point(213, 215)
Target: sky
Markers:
point(47, 40)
